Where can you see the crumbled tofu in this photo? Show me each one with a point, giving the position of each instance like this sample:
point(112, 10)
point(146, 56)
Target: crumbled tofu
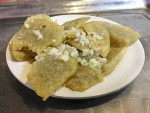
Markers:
point(26, 25)
point(38, 34)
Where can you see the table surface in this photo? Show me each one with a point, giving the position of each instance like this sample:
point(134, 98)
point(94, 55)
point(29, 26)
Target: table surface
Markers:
point(135, 98)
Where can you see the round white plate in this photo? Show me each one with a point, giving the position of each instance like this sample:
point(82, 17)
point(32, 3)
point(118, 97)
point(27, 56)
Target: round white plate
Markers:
point(125, 72)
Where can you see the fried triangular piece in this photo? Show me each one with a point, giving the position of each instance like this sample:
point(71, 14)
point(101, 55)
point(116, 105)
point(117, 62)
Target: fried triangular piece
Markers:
point(84, 78)
point(113, 58)
point(120, 36)
point(49, 73)
point(37, 33)
point(21, 55)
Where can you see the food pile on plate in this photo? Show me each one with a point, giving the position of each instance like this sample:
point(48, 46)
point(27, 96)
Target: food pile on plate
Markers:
point(77, 54)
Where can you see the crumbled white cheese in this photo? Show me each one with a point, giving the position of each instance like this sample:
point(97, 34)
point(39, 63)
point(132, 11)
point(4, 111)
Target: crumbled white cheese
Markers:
point(91, 51)
point(65, 57)
point(93, 62)
point(40, 57)
point(79, 59)
point(48, 49)
point(74, 53)
point(84, 62)
point(26, 25)
point(74, 31)
point(38, 34)
point(82, 39)
point(87, 51)
point(53, 51)
point(19, 37)
point(80, 36)
point(63, 52)
point(90, 58)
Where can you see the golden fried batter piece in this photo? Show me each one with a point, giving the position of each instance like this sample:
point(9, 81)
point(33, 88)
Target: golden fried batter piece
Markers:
point(101, 45)
point(84, 78)
point(37, 33)
point(113, 58)
point(49, 74)
point(21, 55)
point(120, 36)
point(75, 23)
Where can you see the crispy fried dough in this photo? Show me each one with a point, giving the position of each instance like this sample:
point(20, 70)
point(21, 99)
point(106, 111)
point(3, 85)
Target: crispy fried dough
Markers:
point(84, 78)
point(49, 74)
point(21, 55)
point(37, 33)
point(120, 36)
point(113, 58)
point(75, 23)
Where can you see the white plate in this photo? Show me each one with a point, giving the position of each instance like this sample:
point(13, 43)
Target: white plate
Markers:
point(125, 72)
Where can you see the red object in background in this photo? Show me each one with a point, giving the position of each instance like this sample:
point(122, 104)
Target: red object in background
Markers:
point(13, 0)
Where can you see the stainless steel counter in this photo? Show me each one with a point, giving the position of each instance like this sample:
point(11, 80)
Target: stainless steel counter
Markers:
point(135, 98)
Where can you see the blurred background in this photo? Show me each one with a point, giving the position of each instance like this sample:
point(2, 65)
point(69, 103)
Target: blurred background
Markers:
point(21, 8)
